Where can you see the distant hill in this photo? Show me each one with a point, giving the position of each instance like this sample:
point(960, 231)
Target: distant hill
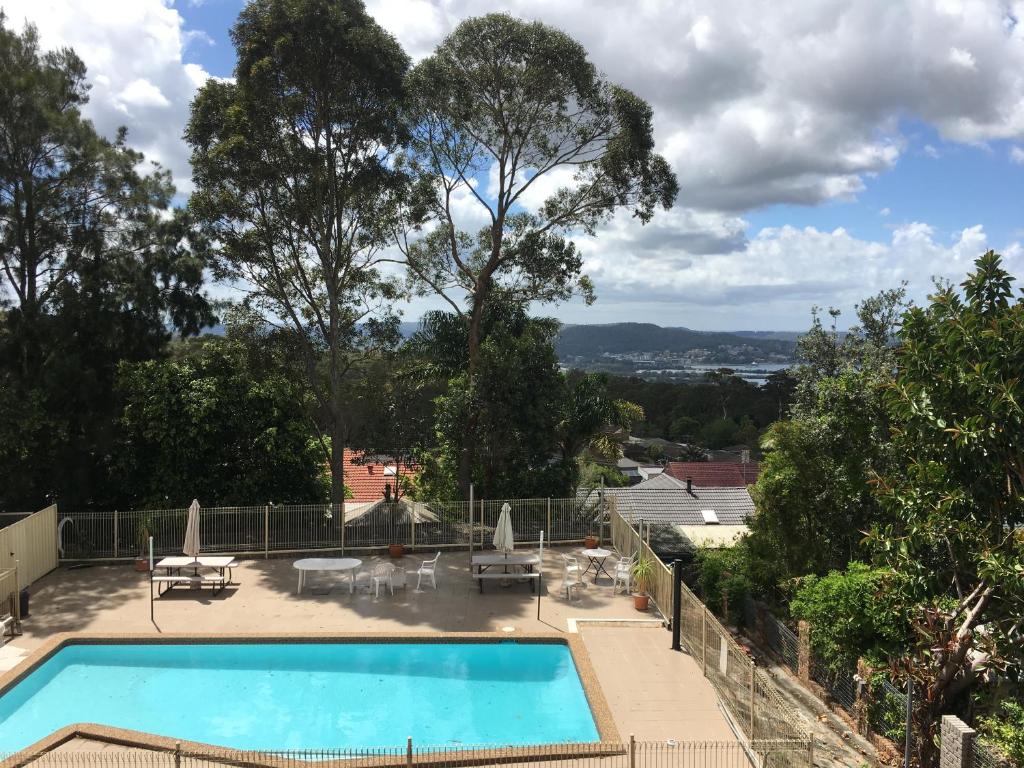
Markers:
point(622, 338)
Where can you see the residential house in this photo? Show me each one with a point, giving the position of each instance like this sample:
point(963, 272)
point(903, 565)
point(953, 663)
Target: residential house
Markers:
point(706, 474)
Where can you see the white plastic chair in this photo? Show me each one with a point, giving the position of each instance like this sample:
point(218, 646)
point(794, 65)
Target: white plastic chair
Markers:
point(382, 574)
point(572, 575)
point(623, 573)
point(428, 568)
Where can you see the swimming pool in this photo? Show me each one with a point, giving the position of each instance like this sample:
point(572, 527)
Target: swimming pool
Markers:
point(307, 695)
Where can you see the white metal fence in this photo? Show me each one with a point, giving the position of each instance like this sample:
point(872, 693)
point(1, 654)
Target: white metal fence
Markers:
point(301, 528)
point(629, 754)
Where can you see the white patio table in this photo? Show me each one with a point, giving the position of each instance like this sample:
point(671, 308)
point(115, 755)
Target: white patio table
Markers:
point(343, 564)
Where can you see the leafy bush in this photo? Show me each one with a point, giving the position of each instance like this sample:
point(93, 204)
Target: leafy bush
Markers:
point(1004, 730)
point(851, 615)
point(724, 572)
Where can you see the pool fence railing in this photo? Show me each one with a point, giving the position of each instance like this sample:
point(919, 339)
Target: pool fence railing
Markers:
point(629, 754)
point(752, 703)
point(266, 529)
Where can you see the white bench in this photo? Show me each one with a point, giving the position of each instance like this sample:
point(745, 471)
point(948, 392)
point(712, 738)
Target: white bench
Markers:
point(165, 583)
point(533, 577)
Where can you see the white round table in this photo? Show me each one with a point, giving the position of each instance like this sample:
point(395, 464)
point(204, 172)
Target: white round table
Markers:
point(597, 558)
point(327, 564)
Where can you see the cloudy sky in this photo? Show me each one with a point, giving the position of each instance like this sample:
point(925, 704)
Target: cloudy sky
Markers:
point(825, 150)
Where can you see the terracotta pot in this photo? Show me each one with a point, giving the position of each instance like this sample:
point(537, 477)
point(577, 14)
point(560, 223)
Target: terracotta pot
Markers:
point(590, 542)
point(641, 602)
point(142, 564)
point(396, 550)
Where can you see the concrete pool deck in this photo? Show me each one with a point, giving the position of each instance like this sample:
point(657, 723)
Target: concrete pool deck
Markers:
point(653, 692)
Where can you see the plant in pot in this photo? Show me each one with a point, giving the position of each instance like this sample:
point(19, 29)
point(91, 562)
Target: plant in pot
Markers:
point(142, 534)
point(642, 573)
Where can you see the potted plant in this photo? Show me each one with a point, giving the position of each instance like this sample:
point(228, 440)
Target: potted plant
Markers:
point(590, 542)
point(396, 550)
point(642, 573)
point(142, 534)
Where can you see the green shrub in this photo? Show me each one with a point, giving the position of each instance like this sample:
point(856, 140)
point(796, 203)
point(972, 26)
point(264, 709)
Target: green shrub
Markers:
point(724, 572)
point(1004, 730)
point(851, 616)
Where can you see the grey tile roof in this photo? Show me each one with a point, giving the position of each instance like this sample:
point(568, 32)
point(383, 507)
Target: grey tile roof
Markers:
point(664, 500)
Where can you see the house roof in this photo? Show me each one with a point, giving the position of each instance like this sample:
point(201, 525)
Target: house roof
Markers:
point(366, 476)
point(664, 500)
point(706, 474)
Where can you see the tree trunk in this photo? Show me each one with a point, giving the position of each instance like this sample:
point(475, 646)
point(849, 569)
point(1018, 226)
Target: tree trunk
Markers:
point(337, 466)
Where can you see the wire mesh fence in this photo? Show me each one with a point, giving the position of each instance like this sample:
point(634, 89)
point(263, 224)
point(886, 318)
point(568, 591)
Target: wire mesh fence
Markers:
point(984, 756)
point(779, 638)
point(840, 684)
point(754, 705)
point(631, 754)
point(308, 527)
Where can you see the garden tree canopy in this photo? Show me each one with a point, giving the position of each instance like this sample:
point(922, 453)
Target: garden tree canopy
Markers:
point(223, 422)
point(516, 403)
point(956, 502)
point(817, 470)
point(93, 270)
point(854, 614)
point(519, 104)
point(588, 419)
point(292, 164)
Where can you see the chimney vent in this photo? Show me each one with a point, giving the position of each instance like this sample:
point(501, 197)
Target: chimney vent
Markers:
point(689, 484)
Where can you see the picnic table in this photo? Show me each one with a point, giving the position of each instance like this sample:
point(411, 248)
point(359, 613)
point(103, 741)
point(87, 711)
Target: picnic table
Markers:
point(522, 564)
point(173, 567)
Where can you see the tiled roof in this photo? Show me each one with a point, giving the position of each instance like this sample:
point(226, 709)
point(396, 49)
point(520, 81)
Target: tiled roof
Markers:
point(706, 474)
point(366, 477)
point(664, 500)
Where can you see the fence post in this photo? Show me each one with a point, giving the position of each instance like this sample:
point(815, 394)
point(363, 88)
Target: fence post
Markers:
point(632, 751)
point(341, 514)
point(862, 697)
point(266, 530)
point(704, 641)
point(177, 754)
point(115, 534)
point(408, 752)
point(481, 524)
point(803, 654)
point(17, 596)
point(753, 677)
point(550, 535)
point(412, 525)
point(956, 745)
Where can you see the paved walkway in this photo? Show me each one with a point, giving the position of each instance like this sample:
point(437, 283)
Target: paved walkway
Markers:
point(655, 693)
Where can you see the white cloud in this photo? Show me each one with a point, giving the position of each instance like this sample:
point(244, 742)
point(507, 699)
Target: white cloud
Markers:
point(141, 93)
point(133, 50)
point(780, 274)
point(802, 105)
point(885, 212)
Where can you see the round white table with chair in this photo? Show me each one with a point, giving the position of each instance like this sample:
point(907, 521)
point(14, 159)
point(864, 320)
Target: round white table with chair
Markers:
point(323, 564)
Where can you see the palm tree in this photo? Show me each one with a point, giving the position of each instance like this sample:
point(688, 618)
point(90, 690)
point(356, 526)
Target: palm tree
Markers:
point(591, 419)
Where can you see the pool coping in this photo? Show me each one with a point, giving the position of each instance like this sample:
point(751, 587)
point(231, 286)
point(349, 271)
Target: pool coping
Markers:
point(610, 739)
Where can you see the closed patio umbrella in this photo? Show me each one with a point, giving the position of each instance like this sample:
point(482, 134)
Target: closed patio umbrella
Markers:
point(191, 545)
point(504, 537)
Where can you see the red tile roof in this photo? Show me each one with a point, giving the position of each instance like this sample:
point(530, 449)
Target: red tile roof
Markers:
point(708, 474)
point(366, 477)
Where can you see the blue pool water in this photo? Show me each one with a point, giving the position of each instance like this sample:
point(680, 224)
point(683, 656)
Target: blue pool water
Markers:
point(308, 696)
